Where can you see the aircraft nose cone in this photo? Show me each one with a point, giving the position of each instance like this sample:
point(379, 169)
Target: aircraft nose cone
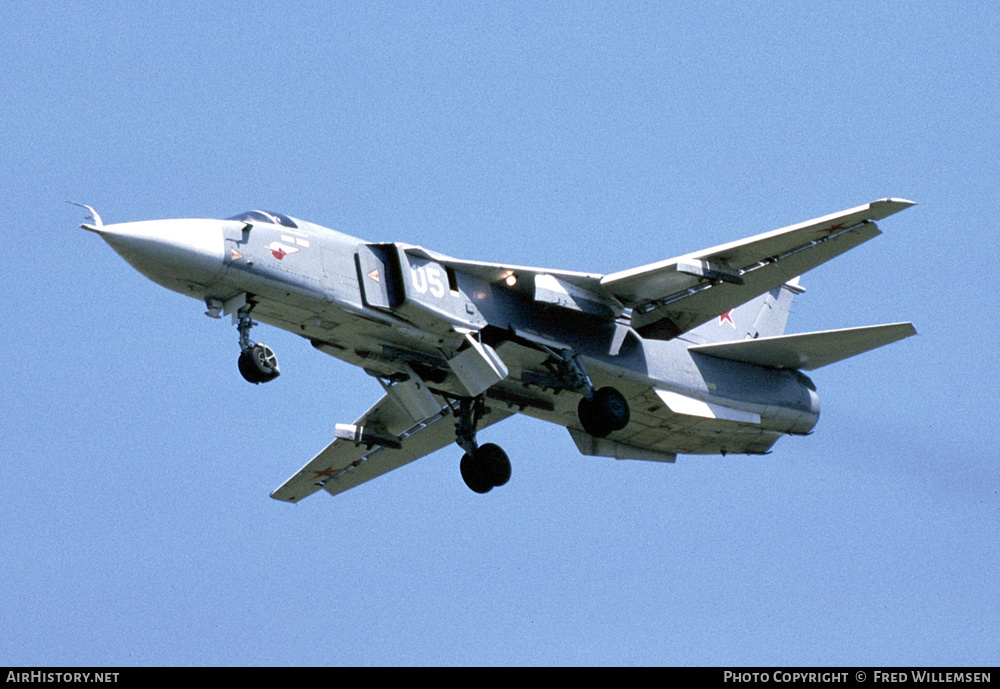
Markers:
point(182, 255)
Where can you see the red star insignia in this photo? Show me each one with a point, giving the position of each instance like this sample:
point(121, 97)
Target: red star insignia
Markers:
point(727, 316)
point(328, 473)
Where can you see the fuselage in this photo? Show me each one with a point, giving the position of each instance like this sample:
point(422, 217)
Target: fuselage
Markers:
point(394, 308)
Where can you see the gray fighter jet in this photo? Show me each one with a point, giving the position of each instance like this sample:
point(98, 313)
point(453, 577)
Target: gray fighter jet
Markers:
point(683, 356)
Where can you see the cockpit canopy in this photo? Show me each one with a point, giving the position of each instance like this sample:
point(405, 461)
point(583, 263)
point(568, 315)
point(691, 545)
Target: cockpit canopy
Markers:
point(269, 217)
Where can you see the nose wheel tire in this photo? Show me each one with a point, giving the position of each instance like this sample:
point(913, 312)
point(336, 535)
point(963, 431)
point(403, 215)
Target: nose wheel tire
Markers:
point(486, 468)
point(258, 364)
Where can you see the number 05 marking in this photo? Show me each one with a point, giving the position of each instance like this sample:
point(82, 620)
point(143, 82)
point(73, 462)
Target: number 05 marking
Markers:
point(425, 277)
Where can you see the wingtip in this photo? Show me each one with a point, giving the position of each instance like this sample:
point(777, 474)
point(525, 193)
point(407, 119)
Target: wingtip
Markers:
point(883, 208)
point(903, 203)
point(903, 329)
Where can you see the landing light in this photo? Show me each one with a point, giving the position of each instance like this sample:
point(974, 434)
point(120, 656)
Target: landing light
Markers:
point(511, 280)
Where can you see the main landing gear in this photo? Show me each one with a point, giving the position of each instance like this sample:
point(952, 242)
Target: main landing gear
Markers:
point(483, 467)
point(257, 362)
point(601, 412)
point(604, 412)
point(486, 468)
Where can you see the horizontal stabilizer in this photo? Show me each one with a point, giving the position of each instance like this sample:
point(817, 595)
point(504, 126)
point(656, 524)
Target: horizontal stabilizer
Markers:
point(808, 351)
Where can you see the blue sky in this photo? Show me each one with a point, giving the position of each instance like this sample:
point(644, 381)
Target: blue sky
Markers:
point(135, 463)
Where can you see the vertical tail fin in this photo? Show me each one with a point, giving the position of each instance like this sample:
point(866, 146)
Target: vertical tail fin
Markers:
point(765, 316)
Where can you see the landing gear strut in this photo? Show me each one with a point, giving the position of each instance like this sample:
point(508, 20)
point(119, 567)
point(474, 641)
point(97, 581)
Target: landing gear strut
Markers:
point(483, 467)
point(257, 362)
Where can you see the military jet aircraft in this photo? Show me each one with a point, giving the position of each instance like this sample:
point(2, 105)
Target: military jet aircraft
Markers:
point(682, 356)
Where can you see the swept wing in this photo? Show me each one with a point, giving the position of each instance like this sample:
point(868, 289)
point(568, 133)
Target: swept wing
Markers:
point(346, 463)
point(671, 297)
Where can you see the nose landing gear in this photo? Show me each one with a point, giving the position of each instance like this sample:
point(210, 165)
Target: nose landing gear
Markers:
point(258, 362)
